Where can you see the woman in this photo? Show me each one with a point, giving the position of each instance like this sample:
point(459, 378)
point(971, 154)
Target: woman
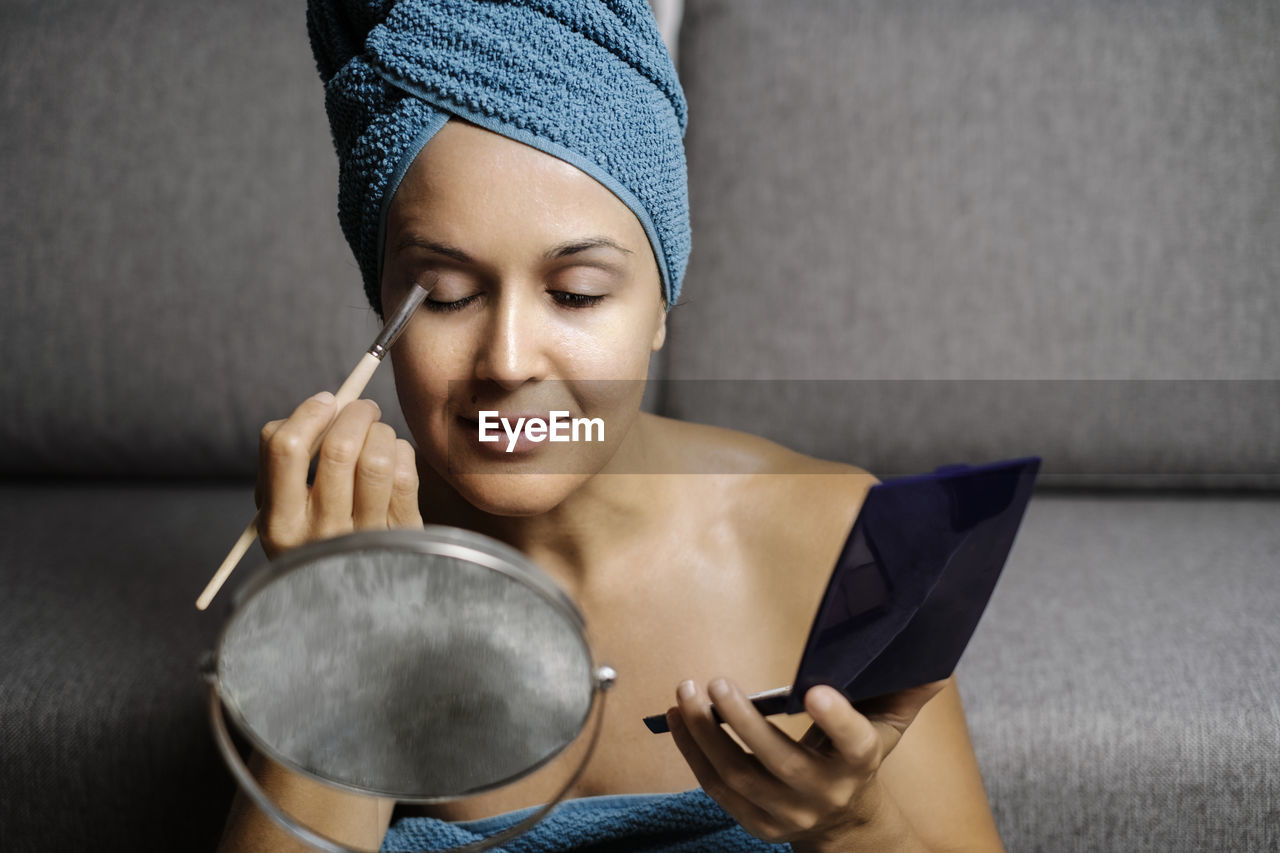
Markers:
point(698, 585)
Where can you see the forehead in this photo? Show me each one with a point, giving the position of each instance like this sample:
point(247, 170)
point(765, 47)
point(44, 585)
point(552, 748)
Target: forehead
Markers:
point(469, 180)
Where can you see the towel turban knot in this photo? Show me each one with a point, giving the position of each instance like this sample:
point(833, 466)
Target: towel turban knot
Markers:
point(587, 81)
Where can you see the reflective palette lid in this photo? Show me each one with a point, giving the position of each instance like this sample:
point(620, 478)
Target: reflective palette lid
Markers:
point(913, 579)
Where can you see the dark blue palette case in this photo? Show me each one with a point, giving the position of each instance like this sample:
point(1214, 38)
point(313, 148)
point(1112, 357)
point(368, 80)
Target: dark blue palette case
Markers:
point(911, 583)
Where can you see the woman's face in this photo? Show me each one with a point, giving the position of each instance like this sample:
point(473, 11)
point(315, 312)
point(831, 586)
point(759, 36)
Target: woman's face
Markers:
point(547, 286)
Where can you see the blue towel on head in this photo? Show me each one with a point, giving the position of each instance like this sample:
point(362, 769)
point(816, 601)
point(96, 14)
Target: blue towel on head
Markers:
point(688, 822)
point(587, 81)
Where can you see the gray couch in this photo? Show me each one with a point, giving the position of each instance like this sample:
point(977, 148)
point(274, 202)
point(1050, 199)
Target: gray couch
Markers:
point(923, 233)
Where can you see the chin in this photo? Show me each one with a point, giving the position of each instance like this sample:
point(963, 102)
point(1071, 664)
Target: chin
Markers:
point(516, 494)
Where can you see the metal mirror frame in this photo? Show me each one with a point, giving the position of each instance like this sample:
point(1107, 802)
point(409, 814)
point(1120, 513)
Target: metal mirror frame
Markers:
point(432, 540)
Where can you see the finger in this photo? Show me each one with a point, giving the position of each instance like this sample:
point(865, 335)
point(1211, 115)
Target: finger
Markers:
point(264, 436)
point(404, 510)
point(332, 493)
point(852, 736)
point(285, 458)
point(375, 478)
point(753, 818)
point(739, 771)
point(268, 430)
point(793, 764)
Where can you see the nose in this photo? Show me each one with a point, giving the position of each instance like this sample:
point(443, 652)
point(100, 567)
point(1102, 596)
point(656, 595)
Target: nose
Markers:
point(515, 348)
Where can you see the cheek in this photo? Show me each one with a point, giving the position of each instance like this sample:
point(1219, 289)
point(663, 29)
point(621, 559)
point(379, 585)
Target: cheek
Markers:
point(422, 387)
point(427, 356)
point(617, 347)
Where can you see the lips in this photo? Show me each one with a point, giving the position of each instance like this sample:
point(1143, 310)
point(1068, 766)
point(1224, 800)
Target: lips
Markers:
point(509, 417)
point(498, 425)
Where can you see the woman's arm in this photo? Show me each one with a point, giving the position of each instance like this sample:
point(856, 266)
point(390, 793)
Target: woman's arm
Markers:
point(352, 819)
point(844, 786)
point(933, 777)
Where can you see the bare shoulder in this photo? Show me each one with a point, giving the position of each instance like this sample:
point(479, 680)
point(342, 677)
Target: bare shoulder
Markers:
point(789, 509)
point(765, 471)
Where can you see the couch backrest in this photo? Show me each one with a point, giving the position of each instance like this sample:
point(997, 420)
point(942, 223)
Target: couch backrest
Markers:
point(933, 191)
point(906, 198)
point(174, 271)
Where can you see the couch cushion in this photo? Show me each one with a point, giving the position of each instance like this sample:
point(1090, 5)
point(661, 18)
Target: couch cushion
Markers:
point(987, 190)
point(1123, 688)
point(103, 711)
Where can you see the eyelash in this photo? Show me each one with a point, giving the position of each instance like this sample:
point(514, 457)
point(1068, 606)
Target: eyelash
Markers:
point(574, 300)
point(447, 307)
point(563, 298)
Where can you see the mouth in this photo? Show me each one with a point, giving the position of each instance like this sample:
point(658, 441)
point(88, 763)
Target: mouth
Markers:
point(505, 435)
point(510, 417)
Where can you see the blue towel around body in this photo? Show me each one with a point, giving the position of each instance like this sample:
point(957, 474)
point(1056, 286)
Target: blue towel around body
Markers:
point(653, 823)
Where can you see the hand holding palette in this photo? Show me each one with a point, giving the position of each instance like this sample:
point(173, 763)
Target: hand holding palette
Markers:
point(911, 583)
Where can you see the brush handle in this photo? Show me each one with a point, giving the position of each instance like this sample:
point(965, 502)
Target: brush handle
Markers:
point(229, 563)
point(351, 389)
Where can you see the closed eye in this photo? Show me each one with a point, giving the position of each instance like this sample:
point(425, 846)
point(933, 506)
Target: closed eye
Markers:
point(568, 299)
point(445, 307)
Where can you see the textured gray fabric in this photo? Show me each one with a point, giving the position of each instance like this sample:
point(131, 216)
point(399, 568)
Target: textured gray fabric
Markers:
point(1123, 688)
point(104, 726)
point(174, 275)
point(981, 190)
point(1150, 434)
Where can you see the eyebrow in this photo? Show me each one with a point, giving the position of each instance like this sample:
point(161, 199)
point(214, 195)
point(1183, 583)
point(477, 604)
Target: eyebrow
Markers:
point(563, 250)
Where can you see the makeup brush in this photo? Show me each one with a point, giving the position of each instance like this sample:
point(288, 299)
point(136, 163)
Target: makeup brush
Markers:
point(351, 390)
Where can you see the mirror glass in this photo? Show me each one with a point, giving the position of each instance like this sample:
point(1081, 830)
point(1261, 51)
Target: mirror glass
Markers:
point(420, 665)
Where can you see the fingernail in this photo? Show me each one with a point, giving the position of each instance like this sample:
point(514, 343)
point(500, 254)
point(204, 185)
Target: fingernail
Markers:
point(686, 690)
point(324, 397)
point(719, 689)
point(820, 698)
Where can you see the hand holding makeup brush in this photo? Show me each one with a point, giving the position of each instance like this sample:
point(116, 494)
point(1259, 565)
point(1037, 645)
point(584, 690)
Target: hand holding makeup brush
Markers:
point(283, 454)
point(365, 478)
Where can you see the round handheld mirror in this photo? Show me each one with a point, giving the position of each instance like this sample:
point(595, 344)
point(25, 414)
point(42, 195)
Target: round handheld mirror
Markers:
point(419, 665)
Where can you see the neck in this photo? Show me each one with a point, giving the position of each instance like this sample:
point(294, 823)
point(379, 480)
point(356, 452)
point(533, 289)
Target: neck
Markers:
point(614, 510)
